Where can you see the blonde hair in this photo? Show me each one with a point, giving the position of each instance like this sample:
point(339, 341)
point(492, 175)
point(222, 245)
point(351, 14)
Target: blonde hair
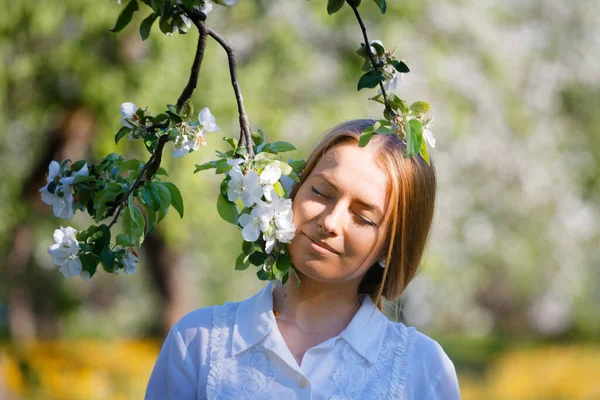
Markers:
point(410, 203)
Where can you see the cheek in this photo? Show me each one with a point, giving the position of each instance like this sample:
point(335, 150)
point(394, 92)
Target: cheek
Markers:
point(304, 210)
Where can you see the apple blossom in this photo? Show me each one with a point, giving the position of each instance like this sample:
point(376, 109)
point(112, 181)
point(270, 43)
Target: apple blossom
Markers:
point(64, 252)
point(61, 197)
point(253, 223)
point(128, 111)
point(130, 260)
point(245, 186)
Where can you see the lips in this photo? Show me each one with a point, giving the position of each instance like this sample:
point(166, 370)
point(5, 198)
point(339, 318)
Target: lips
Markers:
point(321, 244)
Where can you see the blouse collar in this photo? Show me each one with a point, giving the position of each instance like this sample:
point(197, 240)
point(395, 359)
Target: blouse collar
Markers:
point(254, 319)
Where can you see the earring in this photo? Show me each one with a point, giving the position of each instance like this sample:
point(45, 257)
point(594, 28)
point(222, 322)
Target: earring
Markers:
point(381, 263)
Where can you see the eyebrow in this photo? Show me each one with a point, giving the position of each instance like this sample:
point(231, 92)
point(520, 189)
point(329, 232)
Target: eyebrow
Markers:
point(359, 201)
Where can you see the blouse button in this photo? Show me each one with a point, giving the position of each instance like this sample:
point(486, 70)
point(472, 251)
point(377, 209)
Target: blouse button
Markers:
point(303, 382)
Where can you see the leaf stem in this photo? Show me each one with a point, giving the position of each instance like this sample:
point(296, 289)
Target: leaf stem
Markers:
point(245, 135)
point(371, 56)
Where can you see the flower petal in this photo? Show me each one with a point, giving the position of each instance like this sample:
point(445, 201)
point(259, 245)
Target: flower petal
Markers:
point(53, 170)
point(128, 109)
point(251, 232)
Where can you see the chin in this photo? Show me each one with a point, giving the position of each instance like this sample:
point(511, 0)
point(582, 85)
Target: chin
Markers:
point(314, 266)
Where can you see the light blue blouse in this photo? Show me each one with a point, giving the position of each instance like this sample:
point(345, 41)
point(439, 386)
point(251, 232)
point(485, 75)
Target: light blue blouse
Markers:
point(235, 351)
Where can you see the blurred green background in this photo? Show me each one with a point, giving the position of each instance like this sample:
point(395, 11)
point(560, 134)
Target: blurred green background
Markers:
point(510, 281)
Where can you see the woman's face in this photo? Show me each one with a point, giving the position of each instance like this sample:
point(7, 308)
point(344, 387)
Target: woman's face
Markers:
point(339, 216)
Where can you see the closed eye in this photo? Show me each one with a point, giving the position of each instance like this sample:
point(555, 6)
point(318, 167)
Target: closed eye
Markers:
point(359, 218)
point(315, 191)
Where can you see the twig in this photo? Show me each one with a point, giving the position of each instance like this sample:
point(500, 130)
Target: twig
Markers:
point(245, 135)
point(371, 57)
point(195, 70)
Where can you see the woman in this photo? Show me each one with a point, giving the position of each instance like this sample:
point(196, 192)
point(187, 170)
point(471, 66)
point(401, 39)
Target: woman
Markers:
point(362, 217)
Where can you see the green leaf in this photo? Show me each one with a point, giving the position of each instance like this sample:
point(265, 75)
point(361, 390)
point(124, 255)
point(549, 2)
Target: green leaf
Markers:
point(257, 258)
point(187, 109)
point(150, 220)
point(281, 147)
point(222, 166)
point(77, 165)
point(126, 15)
point(165, 26)
point(83, 179)
point(420, 107)
point(124, 240)
point(176, 199)
point(263, 275)
point(370, 79)
point(354, 3)
point(334, 6)
point(133, 222)
point(400, 66)
point(242, 262)
point(227, 210)
point(258, 137)
point(248, 248)
point(150, 195)
point(131, 165)
point(382, 6)
point(164, 196)
point(146, 26)
point(282, 265)
point(386, 130)
point(379, 49)
point(232, 142)
point(207, 165)
point(161, 171)
point(89, 262)
point(110, 194)
point(297, 165)
point(414, 137)
point(365, 138)
point(108, 259)
point(424, 152)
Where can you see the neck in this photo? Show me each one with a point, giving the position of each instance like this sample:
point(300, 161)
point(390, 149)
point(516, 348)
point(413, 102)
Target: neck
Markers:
point(315, 306)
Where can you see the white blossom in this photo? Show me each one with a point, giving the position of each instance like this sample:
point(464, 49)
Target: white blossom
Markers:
point(68, 180)
point(62, 198)
point(255, 222)
point(130, 260)
point(128, 111)
point(186, 21)
point(207, 7)
point(64, 253)
point(236, 162)
point(207, 120)
point(391, 85)
point(191, 136)
point(428, 135)
point(245, 186)
point(268, 177)
point(185, 143)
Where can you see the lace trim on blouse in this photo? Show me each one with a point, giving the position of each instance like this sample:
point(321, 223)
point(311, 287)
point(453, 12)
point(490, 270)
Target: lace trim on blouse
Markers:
point(249, 375)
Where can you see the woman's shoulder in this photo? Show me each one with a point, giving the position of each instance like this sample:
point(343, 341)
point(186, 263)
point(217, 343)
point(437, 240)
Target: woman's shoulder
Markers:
point(205, 318)
point(429, 368)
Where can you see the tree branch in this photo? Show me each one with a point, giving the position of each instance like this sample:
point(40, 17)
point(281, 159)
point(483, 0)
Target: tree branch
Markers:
point(155, 159)
point(371, 56)
point(245, 135)
point(195, 70)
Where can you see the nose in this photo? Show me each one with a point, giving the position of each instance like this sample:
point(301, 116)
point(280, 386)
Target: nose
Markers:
point(331, 220)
